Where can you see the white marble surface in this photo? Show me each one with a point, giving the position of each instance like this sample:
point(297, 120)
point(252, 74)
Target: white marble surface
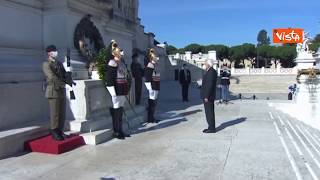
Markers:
point(177, 149)
point(307, 113)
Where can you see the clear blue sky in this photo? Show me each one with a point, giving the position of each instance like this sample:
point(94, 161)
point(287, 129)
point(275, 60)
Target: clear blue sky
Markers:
point(229, 22)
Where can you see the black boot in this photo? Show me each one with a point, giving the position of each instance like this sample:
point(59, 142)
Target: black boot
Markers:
point(114, 125)
point(56, 135)
point(118, 124)
point(61, 133)
point(150, 115)
point(121, 121)
point(153, 110)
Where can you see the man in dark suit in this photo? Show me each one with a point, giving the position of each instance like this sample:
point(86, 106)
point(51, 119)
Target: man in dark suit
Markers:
point(208, 93)
point(137, 73)
point(225, 83)
point(185, 80)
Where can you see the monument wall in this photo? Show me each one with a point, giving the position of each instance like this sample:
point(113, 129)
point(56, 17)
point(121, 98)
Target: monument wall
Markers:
point(28, 26)
point(21, 57)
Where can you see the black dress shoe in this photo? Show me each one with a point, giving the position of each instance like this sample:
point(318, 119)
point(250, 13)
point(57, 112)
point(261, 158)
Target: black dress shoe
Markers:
point(210, 131)
point(155, 121)
point(205, 130)
point(121, 137)
point(115, 135)
point(56, 136)
point(126, 135)
point(118, 136)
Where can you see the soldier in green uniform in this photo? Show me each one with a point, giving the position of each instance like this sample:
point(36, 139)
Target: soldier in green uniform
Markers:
point(55, 92)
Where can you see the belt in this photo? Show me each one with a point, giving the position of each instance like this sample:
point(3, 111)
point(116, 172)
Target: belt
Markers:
point(121, 81)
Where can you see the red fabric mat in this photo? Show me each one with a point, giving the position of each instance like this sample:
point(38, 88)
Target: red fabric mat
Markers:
point(47, 145)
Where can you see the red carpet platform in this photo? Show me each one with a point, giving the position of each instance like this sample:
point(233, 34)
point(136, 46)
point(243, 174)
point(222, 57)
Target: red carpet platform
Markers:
point(47, 145)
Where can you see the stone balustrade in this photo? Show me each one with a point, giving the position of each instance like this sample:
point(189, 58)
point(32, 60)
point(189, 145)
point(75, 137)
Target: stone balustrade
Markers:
point(264, 71)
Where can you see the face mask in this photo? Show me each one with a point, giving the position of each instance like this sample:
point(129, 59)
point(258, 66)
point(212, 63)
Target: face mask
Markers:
point(54, 54)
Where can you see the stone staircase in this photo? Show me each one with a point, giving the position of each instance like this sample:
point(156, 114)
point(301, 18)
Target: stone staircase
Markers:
point(12, 141)
point(301, 143)
point(261, 83)
point(263, 86)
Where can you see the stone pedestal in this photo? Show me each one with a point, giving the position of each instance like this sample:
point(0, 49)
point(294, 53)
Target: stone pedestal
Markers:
point(90, 109)
point(308, 91)
point(90, 112)
point(305, 60)
point(307, 97)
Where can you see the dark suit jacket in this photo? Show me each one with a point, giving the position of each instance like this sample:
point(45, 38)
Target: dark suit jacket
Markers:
point(183, 79)
point(136, 69)
point(209, 82)
point(225, 77)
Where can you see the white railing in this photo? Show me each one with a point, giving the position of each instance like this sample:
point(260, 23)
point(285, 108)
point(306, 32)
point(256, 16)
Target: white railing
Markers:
point(264, 71)
point(243, 71)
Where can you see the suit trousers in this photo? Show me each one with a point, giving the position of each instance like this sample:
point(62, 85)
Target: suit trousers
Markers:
point(225, 92)
point(57, 112)
point(210, 115)
point(185, 89)
point(138, 88)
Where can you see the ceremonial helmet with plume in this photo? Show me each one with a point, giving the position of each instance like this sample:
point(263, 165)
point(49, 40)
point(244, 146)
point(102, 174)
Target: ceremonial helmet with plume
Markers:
point(113, 50)
point(151, 56)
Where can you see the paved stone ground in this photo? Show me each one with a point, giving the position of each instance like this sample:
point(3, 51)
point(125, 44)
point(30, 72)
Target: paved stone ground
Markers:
point(253, 141)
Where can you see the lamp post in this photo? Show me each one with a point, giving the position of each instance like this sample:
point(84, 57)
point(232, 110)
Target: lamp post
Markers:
point(258, 56)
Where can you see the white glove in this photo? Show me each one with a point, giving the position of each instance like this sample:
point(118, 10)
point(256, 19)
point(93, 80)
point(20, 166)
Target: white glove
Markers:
point(112, 90)
point(68, 69)
point(148, 85)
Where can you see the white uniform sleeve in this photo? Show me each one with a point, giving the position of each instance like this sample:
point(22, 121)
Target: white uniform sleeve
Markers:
point(112, 90)
point(68, 87)
point(148, 85)
point(113, 63)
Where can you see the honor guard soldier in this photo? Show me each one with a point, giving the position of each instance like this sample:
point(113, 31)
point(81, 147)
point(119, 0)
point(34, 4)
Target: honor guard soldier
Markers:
point(117, 85)
point(225, 83)
point(55, 92)
point(152, 82)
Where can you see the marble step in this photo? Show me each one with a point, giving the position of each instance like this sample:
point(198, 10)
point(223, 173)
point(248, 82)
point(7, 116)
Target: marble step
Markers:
point(97, 137)
point(131, 120)
point(12, 141)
